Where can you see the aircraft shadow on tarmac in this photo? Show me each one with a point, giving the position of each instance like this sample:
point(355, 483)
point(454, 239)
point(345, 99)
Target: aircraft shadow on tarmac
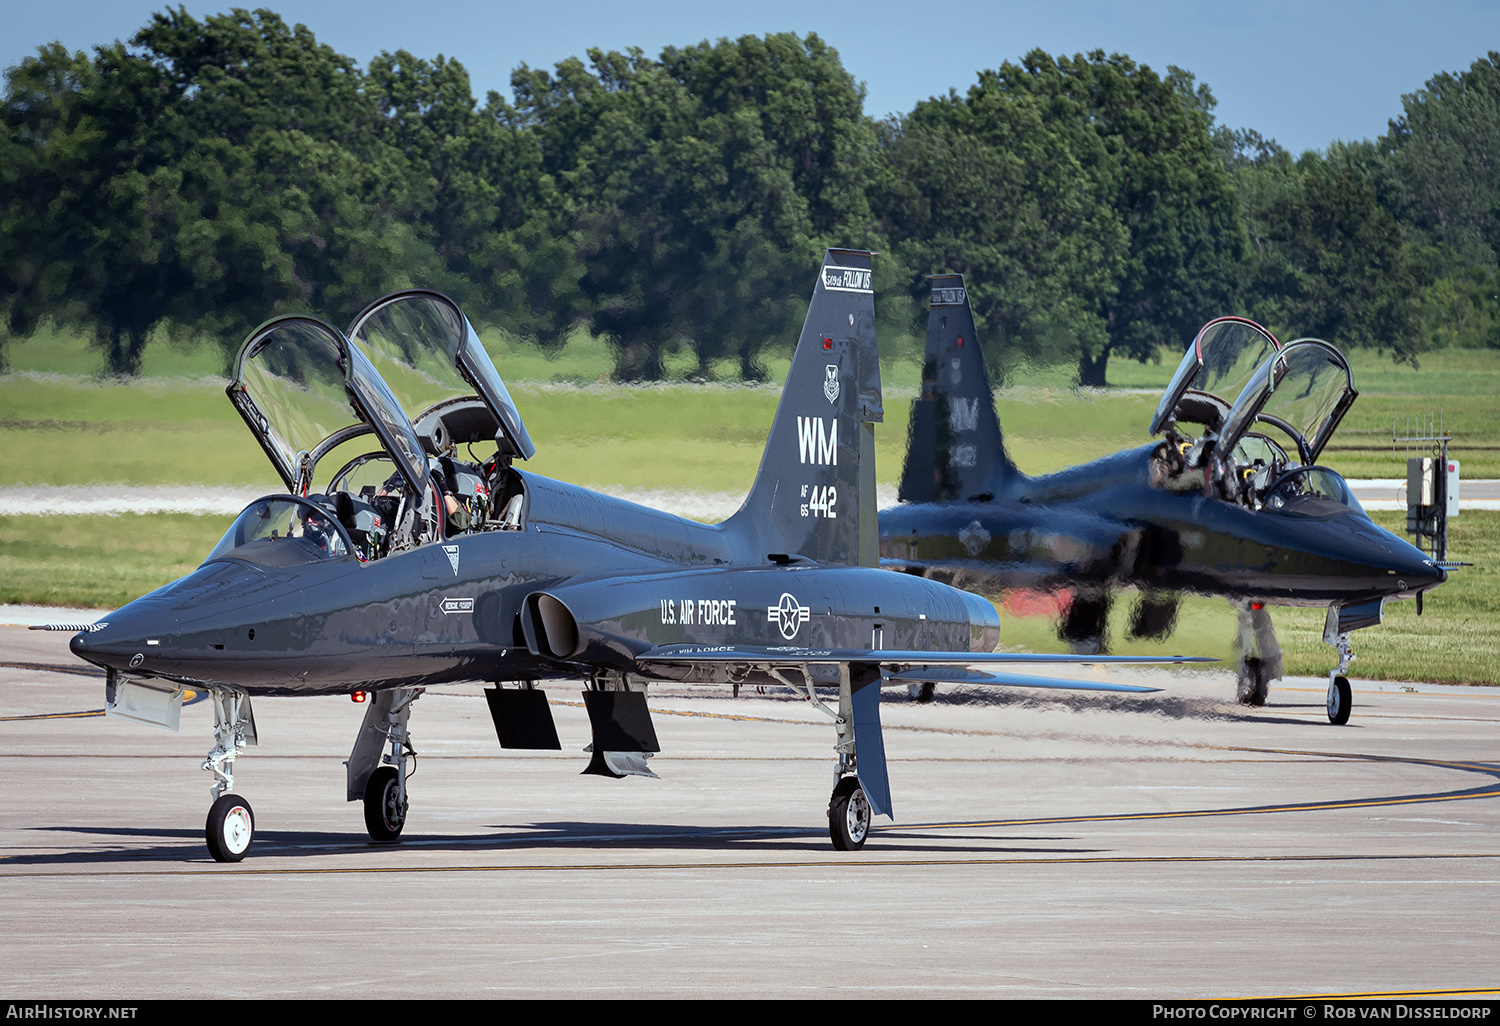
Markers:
point(1162, 706)
point(553, 835)
point(934, 840)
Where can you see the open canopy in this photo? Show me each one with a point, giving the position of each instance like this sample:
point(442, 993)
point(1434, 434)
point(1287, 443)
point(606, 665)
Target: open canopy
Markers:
point(439, 372)
point(1304, 390)
point(302, 389)
point(1219, 361)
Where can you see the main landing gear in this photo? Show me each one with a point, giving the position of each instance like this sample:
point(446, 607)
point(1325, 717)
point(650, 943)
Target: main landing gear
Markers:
point(231, 822)
point(850, 809)
point(1259, 653)
point(380, 782)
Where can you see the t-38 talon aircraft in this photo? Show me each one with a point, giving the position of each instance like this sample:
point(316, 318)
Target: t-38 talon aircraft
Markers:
point(1241, 510)
point(414, 566)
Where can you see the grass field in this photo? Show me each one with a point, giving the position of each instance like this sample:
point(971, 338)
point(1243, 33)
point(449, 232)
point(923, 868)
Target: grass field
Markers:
point(60, 424)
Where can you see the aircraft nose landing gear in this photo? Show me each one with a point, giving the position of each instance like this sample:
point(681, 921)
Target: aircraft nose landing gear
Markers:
point(231, 822)
point(1340, 698)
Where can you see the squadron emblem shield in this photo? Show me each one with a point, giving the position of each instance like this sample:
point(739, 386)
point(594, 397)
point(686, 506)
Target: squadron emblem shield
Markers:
point(831, 383)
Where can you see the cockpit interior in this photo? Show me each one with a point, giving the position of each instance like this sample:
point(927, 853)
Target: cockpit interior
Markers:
point(409, 408)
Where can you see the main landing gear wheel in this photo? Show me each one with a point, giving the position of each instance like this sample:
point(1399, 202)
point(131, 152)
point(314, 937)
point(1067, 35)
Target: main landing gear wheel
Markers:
point(230, 828)
point(1254, 683)
point(385, 811)
point(1340, 700)
point(849, 815)
point(922, 692)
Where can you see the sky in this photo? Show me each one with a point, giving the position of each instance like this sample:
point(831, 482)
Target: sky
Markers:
point(1303, 72)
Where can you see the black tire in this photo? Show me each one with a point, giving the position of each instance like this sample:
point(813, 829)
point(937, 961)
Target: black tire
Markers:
point(230, 828)
point(385, 812)
point(1340, 701)
point(922, 692)
point(1254, 683)
point(848, 815)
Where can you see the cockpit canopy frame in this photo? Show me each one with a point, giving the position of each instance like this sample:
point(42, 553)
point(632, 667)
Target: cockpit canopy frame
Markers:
point(1304, 390)
point(1222, 357)
point(302, 388)
point(438, 370)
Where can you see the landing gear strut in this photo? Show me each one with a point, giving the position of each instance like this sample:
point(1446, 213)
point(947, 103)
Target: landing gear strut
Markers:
point(1259, 653)
point(849, 807)
point(380, 782)
point(231, 823)
point(1340, 698)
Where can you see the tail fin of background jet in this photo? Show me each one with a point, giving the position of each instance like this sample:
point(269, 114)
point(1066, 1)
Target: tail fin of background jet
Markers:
point(954, 451)
point(814, 495)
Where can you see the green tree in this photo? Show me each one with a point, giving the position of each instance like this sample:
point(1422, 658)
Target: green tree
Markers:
point(1117, 228)
point(1442, 162)
point(1327, 259)
point(701, 187)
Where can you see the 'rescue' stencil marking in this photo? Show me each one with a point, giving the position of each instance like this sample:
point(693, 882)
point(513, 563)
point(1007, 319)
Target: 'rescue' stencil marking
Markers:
point(818, 440)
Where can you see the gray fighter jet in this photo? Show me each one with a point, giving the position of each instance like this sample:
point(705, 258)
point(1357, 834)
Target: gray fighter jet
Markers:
point(421, 562)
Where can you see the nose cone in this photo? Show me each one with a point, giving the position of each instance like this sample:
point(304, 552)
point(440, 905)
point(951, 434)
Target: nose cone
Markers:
point(128, 636)
point(1373, 559)
point(179, 631)
point(1413, 570)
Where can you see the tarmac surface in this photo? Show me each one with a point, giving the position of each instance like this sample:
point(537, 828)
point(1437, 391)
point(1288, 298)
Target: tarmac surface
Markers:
point(1055, 846)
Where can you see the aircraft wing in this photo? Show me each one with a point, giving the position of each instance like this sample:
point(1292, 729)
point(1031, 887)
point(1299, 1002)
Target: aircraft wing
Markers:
point(909, 666)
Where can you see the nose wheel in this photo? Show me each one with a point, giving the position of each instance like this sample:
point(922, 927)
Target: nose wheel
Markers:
point(230, 828)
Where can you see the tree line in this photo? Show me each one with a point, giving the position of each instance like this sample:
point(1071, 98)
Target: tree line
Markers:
point(211, 173)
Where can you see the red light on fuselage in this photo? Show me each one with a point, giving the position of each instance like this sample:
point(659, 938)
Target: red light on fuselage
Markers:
point(1257, 605)
point(960, 341)
point(358, 697)
point(828, 343)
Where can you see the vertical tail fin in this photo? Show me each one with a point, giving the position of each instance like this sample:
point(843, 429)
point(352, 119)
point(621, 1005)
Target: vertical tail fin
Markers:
point(814, 494)
point(954, 450)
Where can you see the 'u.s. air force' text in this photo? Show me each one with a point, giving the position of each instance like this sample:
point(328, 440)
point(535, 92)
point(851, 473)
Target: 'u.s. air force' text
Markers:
point(703, 612)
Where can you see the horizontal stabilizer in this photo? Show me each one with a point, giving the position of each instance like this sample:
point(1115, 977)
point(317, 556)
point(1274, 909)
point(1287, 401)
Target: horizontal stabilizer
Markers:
point(929, 675)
